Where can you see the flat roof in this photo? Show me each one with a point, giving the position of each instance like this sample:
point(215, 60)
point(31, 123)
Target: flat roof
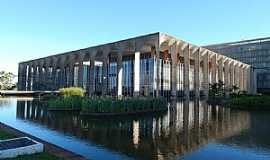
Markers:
point(243, 42)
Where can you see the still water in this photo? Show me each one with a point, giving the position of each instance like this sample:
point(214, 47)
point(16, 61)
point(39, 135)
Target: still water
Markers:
point(189, 130)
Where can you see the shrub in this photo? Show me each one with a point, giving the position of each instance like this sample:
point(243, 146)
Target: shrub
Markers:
point(71, 91)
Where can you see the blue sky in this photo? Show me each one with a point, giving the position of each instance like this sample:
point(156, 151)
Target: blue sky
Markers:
point(34, 28)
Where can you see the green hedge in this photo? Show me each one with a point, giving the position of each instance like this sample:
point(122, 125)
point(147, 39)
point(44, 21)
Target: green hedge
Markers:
point(250, 102)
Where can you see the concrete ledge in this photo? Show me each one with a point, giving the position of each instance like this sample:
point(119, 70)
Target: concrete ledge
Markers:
point(51, 148)
point(15, 150)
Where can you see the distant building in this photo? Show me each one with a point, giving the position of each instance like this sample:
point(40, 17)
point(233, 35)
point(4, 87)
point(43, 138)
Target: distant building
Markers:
point(150, 65)
point(255, 52)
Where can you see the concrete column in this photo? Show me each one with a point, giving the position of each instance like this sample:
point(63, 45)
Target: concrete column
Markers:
point(80, 74)
point(206, 74)
point(119, 74)
point(43, 75)
point(186, 52)
point(214, 69)
point(34, 87)
point(173, 53)
point(155, 53)
point(29, 78)
point(254, 80)
point(231, 74)
point(88, 78)
point(137, 74)
point(241, 77)
point(197, 73)
point(236, 74)
point(38, 77)
point(245, 78)
point(105, 75)
point(91, 78)
point(226, 78)
point(54, 77)
point(22, 77)
point(71, 75)
point(248, 80)
point(220, 69)
point(19, 77)
point(61, 77)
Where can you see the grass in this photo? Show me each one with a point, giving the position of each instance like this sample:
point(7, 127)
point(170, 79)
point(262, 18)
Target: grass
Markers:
point(5, 135)
point(246, 102)
point(40, 156)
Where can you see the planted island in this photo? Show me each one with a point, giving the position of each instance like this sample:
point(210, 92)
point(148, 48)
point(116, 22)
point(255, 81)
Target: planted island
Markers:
point(237, 99)
point(74, 99)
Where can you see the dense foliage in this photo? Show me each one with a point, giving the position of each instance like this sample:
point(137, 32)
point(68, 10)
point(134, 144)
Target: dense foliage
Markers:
point(217, 90)
point(108, 104)
point(250, 102)
point(6, 81)
point(116, 105)
point(71, 91)
point(69, 102)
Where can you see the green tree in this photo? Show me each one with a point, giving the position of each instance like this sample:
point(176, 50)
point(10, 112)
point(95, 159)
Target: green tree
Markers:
point(6, 80)
point(217, 89)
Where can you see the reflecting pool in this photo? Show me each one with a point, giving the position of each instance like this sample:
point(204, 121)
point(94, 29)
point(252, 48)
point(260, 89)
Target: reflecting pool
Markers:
point(189, 130)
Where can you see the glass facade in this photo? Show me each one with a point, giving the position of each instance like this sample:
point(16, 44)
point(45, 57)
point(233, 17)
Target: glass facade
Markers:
point(146, 74)
point(112, 74)
point(254, 52)
point(76, 76)
point(98, 78)
point(165, 77)
point(128, 79)
point(180, 79)
point(85, 76)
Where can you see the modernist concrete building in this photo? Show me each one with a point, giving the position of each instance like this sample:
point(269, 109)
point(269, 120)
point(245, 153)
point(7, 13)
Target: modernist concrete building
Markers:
point(150, 65)
point(255, 52)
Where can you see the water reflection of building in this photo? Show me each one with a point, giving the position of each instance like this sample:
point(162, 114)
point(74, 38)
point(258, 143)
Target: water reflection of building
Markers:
point(186, 126)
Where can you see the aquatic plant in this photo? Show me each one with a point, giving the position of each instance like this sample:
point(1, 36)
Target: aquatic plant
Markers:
point(71, 102)
point(108, 104)
point(127, 104)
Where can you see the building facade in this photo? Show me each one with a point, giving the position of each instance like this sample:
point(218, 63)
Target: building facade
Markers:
point(151, 65)
point(255, 52)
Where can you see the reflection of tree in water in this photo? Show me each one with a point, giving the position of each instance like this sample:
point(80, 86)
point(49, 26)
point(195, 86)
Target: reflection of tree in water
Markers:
point(186, 126)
